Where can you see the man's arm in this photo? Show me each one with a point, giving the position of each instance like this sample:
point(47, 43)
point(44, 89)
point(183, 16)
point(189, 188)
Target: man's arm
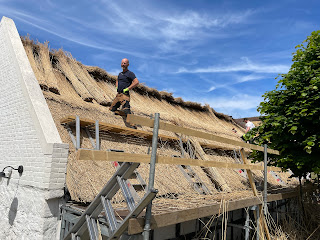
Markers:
point(134, 83)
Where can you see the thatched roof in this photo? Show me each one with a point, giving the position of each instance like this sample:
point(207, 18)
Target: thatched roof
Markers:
point(75, 89)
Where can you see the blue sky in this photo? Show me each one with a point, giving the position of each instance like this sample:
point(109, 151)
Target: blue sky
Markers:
point(224, 53)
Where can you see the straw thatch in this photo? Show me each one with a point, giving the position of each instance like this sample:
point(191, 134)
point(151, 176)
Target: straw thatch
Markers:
point(86, 178)
point(88, 82)
point(30, 49)
point(66, 69)
point(216, 177)
point(46, 63)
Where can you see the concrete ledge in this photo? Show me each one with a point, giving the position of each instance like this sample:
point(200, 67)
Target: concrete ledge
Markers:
point(53, 194)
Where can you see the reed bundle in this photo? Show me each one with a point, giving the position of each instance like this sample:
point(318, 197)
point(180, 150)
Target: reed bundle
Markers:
point(64, 66)
point(88, 82)
point(46, 63)
point(37, 68)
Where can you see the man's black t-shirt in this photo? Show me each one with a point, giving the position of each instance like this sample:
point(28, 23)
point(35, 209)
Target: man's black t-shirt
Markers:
point(125, 79)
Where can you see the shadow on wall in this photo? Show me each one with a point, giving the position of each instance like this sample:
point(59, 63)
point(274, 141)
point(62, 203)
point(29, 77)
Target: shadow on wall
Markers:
point(13, 210)
point(54, 207)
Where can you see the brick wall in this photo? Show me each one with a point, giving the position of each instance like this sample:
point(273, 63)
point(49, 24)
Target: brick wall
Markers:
point(28, 137)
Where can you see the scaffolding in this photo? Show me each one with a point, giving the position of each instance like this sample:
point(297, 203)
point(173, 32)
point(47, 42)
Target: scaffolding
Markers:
point(102, 222)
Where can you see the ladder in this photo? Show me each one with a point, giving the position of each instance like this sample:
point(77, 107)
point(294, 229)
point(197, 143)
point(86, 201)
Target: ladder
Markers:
point(88, 224)
point(134, 188)
point(277, 177)
point(194, 179)
point(188, 172)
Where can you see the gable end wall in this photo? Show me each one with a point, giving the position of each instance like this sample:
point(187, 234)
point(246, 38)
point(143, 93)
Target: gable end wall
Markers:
point(29, 204)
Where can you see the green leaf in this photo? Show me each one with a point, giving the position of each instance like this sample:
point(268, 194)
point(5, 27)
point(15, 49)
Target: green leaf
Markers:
point(311, 144)
point(293, 129)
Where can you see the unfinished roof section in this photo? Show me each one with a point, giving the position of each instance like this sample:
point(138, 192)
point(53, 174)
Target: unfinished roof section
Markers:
point(85, 91)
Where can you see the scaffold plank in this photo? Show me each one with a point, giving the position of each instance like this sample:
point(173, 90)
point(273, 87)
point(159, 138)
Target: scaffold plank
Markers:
point(96, 155)
point(133, 119)
point(135, 132)
point(136, 225)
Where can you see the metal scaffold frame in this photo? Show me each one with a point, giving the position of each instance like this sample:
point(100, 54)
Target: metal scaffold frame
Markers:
point(135, 159)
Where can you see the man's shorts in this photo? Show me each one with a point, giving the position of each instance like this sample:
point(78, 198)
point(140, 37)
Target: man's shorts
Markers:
point(122, 100)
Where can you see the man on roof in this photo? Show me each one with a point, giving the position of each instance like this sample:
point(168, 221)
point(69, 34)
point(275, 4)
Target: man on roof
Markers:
point(126, 81)
point(249, 125)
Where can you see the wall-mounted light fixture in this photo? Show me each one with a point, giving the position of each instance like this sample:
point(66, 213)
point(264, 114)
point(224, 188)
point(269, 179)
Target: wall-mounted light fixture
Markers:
point(3, 174)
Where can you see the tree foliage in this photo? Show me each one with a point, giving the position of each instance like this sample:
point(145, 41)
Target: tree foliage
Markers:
point(291, 112)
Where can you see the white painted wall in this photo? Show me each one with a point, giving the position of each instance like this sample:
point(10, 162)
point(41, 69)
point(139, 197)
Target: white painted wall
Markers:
point(29, 204)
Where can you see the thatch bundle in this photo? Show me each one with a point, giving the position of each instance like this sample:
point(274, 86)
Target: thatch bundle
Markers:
point(100, 74)
point(64, 66)
point(44, 58)
point(30, 49)
point(88, 82)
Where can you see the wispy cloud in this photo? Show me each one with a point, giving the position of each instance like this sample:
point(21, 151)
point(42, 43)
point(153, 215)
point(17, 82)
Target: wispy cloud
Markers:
point(212, 88)
point(246, 66)
point(169, 28)
point(240, 103)
point(190, 23)
point(163, 31)
point(231, 81)
point(251, 77)
point(65, 31)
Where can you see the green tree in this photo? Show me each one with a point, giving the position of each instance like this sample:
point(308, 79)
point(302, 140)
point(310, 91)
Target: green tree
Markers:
point(291, 112)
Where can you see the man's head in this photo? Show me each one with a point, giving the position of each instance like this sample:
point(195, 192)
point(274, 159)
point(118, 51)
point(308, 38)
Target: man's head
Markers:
point(124, 64)
point(245, 120)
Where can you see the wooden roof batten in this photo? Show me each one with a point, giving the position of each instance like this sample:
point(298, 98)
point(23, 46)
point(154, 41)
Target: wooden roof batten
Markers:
point(103, 126)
